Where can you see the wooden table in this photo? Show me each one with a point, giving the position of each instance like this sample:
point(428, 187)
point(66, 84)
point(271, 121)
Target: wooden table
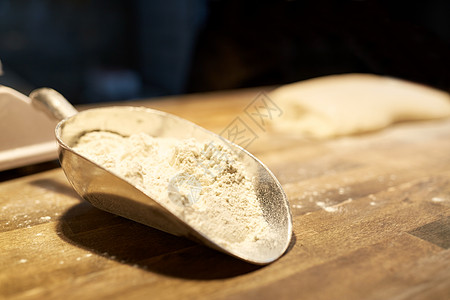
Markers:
point(371, 221)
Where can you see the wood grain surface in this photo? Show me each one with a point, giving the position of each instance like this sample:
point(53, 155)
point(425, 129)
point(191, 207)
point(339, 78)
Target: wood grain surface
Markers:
point(371, 221)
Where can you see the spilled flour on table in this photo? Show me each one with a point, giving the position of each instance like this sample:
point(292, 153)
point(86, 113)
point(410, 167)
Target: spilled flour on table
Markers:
point(202, 183)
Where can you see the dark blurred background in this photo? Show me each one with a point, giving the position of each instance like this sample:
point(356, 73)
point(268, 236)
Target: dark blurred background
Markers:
point(108, 50)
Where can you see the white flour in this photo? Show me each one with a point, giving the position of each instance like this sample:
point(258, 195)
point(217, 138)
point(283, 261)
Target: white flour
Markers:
point(201, 183)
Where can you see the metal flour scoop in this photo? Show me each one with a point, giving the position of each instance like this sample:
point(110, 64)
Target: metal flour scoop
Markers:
point(111, 193)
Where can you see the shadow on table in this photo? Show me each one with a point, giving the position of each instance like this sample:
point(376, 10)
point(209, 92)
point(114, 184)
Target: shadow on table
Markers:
point(56, 187)
point(141, 246)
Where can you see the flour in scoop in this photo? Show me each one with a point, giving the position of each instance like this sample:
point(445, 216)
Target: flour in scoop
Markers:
point(202, 183)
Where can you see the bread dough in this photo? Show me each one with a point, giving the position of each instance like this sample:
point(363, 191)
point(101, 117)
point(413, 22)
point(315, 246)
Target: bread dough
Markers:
point(354, 103)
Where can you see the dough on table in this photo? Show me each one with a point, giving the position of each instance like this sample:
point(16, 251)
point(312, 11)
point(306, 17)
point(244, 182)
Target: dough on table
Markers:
point(347, 104)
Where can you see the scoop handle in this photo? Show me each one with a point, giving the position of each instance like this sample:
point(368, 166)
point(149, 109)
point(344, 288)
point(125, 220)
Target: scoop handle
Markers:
point(52, 103)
